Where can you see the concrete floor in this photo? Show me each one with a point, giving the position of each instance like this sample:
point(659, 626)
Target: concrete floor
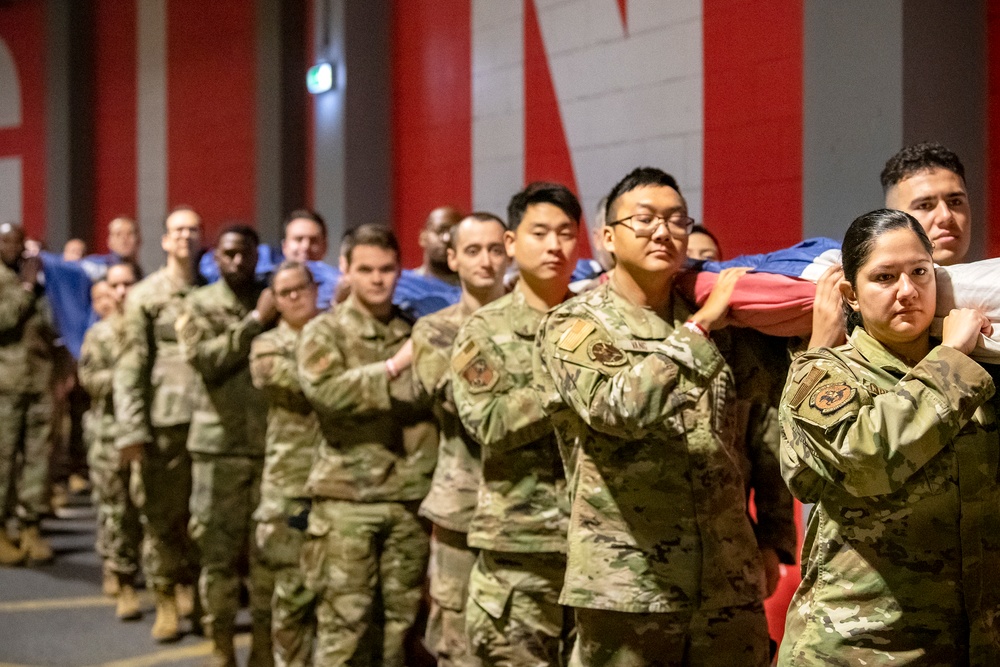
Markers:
point(55, 614)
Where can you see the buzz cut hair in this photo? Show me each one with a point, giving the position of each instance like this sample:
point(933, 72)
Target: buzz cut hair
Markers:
point(478, 216)
point(371, 234)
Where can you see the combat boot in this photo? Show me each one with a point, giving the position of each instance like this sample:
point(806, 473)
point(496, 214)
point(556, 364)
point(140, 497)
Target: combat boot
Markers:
point(223, 651)
point(10, 555)
point(165, 626)
point(128, 601)
point(34, 545)
point(109, 582)
point(184, 594)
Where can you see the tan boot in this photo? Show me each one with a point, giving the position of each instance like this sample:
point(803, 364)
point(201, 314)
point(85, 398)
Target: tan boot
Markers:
point(128, 602)
point(109, 583)
point(34, 545)
point(10, 555)
point(165, 626)
point(184, 594)
point(223, 651)
point(78, 484)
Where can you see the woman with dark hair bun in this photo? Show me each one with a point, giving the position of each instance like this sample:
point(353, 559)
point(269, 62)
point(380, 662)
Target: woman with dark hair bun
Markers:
point(894, 440)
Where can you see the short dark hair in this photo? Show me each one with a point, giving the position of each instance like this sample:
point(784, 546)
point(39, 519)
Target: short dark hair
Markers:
point(860, 239)
point(175, 209)
point(292, 265)
point(303, 214)
point(243, 229)
point(702, 229)
point(542, 192)
point(637, 178)
point(372, 234)
point(478, 216)
point(136, 271)
point(919, 157)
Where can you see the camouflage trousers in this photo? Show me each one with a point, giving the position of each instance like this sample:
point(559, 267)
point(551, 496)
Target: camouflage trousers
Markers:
point(119, 531)
point(225, 491)
point(513, 616)
point(450, 565)
point(728, 636)
point(25, 427)
point(366, 564)
point(293, 606)
point(169, 556)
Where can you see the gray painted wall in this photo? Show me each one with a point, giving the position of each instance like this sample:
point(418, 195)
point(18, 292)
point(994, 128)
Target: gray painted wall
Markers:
point(352, 174)
point(852, 108)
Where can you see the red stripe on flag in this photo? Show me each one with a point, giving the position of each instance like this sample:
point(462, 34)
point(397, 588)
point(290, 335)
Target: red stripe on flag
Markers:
point(753, 123)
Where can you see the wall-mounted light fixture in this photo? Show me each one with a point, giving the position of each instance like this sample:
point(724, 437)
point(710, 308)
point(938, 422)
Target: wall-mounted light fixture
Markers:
point(319, 78)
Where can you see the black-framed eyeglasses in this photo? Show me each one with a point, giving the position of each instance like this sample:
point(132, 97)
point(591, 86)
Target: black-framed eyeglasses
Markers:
point(644, 225)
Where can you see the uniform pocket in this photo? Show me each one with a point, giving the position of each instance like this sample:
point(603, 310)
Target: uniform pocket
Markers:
point(489, 592)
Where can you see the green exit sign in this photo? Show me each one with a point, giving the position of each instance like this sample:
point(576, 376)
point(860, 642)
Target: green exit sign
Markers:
point(319, 78)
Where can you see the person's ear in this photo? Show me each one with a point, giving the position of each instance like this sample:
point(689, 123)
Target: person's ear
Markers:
point(850, 297)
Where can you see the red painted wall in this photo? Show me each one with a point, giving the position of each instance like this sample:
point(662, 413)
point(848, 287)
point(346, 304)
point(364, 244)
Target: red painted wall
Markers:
point(753, 123)
point(993, 128)
point(211, 107)
point(431, 114)
point(114, 115)
point(22, 28)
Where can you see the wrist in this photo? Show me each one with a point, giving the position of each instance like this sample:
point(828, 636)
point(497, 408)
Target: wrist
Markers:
point(697, 327)
point(255, 316)
point(391, 369)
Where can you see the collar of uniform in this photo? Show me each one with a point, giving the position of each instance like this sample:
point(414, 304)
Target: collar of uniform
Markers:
point(228, 299)
point(523, 318)
point(370, 328)
point(876, 353)
point(642, 322)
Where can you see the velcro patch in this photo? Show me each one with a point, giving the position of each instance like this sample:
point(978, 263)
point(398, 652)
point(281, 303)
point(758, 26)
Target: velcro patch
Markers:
point(479, 375)
point(576, 334)
point(603, 352)
point(462, 358)
point(831, 397)
point(315, 358)
point(811, 380)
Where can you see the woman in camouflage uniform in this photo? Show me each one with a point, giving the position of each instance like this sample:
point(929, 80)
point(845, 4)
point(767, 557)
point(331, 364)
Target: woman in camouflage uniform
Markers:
point(893, 437)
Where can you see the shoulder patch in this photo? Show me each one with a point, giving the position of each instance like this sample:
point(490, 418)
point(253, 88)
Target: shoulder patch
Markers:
point(831, 397)
point(603, 352)
point(479, 375)
point(462, 357)
point(811, 380)
point(314, 358)
point(576, 334)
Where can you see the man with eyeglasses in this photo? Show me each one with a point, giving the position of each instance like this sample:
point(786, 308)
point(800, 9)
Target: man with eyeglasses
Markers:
point(293, 437)
point(154, 392)
point(663, 565)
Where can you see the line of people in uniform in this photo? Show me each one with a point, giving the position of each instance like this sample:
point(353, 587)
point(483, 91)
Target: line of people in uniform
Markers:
point(573, 473)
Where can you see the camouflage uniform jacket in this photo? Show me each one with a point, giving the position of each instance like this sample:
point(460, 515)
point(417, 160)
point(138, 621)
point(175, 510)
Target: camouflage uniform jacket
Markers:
point(154, 387)
point(26, 337)
point(379, 442)
point(522, 504)
point(760, 366)
point(452, 498)
point(903, 544)
point(293, 434)
point(215, 330)
point(644, 412)
point(99, 353)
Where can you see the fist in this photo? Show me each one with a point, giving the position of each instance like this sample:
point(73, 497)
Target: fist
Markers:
point(267, 307)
